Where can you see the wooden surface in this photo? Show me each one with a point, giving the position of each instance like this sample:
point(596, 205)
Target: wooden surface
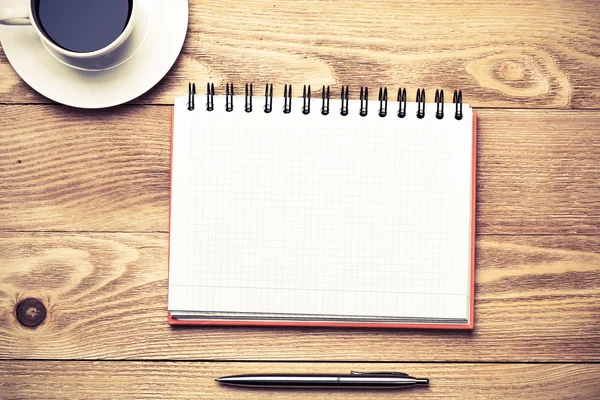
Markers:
point(84, 207)
point(176, 380)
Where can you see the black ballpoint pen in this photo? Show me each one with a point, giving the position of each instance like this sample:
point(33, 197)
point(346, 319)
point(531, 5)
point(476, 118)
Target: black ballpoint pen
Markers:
point(354, 380)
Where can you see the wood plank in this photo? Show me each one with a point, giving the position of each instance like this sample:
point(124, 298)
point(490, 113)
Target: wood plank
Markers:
point(537, 170)
point(508, 54)
point(537, 299)
point(172, 380)
point(65, 169)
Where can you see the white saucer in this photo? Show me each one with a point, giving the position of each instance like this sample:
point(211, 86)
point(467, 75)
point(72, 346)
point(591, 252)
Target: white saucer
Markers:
point(146, 57)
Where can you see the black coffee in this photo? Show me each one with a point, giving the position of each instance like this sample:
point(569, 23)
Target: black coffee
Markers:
point(82, 25)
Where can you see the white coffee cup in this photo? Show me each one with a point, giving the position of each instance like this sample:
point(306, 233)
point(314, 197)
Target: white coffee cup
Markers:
point(20, 12)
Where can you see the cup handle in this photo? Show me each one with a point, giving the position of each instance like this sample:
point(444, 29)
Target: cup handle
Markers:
point(14, 16)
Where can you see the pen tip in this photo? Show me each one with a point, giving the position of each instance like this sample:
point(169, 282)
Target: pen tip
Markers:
point(423, 381)
point(218, 380)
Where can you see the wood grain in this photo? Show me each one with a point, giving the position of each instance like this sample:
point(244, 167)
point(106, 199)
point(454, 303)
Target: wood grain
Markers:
point(537, 299)
point(65, 169)
point(504, 54)
point(169, 380)
point(74, 170)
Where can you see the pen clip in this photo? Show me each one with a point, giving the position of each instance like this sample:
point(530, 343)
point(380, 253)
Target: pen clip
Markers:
point(378, 373)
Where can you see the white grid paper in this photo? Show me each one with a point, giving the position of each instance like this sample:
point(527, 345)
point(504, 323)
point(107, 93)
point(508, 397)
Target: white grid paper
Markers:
point(321, 215)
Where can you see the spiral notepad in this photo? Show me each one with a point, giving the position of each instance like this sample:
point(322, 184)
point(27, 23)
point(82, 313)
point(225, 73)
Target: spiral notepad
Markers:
point(322, 210)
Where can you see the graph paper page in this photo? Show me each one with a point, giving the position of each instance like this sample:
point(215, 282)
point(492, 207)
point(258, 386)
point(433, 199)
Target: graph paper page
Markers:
point(320, 215)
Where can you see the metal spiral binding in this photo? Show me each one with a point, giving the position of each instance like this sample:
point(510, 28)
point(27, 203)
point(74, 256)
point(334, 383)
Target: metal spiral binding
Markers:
point(210, 96)
point(401, 102)
point(305, 96)
point(325, 106)
point(268, 98)
point(248, 99)
point(364, 110)
point(345, 95)
point(229, 97)
point(458, 101)
point(287, 99)
point(191, 96)
point(383, 102)
point(421, 103)
point(439, 103)
point(325, 100)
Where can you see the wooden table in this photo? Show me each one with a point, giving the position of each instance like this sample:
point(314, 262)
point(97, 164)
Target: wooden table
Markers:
point(84, 207)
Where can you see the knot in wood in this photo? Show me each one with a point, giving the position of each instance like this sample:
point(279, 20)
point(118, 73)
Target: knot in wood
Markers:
point(31, 312)
point(513, 70)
